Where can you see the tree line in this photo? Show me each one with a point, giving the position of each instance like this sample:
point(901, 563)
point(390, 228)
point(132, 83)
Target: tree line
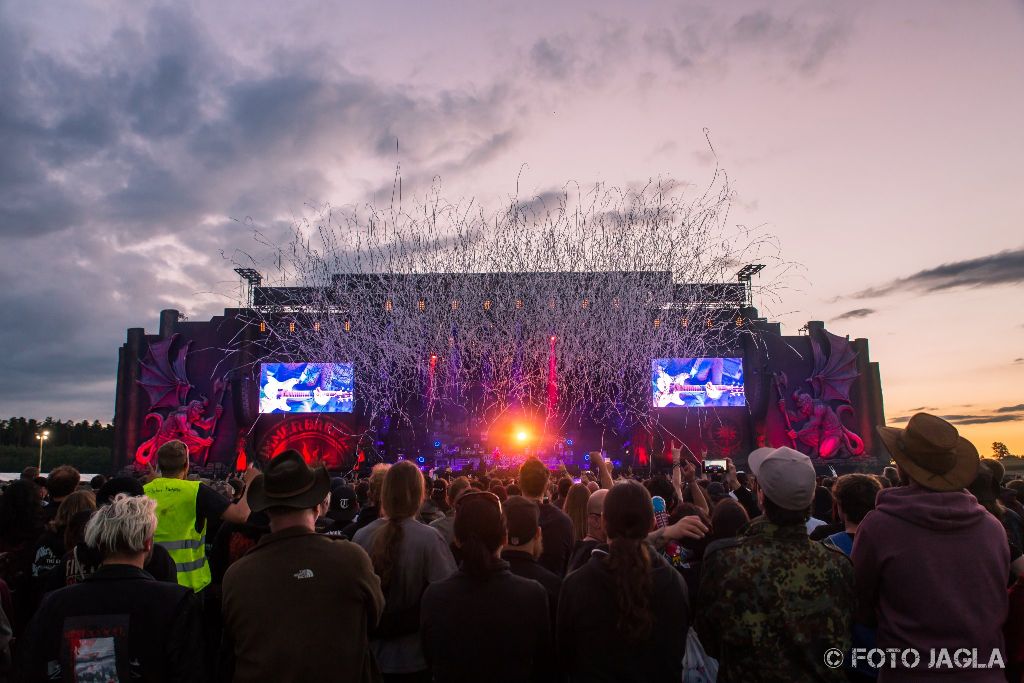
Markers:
point(20, 431)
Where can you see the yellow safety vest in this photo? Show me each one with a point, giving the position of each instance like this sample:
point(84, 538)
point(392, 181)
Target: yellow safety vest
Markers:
point(176, 529)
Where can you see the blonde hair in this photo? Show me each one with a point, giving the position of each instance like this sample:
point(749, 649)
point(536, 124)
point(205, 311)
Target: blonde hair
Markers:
point(377, 474)
point(124, 526)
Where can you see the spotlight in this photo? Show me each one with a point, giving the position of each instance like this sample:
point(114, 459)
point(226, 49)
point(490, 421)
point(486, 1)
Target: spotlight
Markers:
point(437, 444)
point(421, 460)
point(568, 442)
point(522, 436)
point(586, 456)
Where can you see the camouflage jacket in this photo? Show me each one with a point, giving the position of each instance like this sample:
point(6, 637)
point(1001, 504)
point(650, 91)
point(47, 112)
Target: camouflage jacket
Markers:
point(771, 602)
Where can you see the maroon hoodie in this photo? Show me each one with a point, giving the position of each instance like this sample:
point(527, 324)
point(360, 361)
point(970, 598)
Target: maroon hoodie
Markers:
point(935, 567)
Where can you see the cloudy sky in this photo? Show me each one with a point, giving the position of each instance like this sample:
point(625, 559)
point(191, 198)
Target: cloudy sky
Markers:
point(880, 142)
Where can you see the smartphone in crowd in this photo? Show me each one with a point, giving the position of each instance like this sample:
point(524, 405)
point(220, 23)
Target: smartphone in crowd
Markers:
point(714, 466)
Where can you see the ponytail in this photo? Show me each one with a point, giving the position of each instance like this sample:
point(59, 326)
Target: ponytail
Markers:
point(384, 552)
point(630, 567)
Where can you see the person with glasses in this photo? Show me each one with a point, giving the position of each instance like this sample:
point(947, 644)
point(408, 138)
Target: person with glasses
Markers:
point(477, 617)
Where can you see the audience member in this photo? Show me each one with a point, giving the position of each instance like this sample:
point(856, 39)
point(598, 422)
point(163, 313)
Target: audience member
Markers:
point(370, 512)
point(576, 509)
point(623, 616)
point(446, 525)
point(931, 564)
point(407, 556)
point(184, 508)
point(462, 638)
point(119, 623)
point(777, 629)
point(556, 526)
point(305, 586)
point(855, 496)
point(61, 482)
point(595, 531)
point(523, 548)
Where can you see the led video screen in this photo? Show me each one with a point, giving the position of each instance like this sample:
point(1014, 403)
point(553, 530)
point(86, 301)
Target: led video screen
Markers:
point(697, 382)
point(306, 388)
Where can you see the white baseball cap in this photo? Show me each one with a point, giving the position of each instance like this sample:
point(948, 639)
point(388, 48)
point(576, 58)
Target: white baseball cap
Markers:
point(786, 476)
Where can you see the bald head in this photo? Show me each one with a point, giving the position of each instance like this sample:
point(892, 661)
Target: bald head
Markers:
point(595, 506)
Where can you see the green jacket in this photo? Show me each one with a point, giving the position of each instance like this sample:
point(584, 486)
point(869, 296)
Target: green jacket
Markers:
point(771, 602)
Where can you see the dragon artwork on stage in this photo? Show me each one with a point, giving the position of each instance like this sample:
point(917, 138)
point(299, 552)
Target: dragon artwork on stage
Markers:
point(165, 380)
point(815, 427)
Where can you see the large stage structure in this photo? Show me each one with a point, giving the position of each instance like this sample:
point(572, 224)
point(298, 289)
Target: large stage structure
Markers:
point(491, 378)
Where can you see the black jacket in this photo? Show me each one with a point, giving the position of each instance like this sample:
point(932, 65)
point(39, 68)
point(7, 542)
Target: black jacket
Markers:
point(119, 623)
point(492, 629)
point(590, 646)
point(556, 528)
point(524, 565)
point(367, 514)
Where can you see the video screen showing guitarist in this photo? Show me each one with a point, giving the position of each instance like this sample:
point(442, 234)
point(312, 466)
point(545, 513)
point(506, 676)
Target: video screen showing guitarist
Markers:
point(697, 382)
point(306, 388)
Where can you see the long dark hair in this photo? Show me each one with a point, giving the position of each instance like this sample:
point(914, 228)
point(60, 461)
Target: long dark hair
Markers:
point(628, 516)
point(400, 498)
point(480, 530)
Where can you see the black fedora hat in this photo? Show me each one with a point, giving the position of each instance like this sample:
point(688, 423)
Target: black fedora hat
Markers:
point(289, 482)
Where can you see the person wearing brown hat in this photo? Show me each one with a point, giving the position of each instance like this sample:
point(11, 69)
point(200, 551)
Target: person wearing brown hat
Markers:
point(797, 592)
point(931, 565)
point(288, 598)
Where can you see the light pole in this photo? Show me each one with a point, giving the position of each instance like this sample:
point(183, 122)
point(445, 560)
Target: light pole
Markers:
point(41, 437)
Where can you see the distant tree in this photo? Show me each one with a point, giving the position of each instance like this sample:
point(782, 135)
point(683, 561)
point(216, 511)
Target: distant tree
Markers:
point(1000, 451)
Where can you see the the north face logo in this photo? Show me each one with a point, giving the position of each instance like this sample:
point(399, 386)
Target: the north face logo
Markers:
point(304, 574)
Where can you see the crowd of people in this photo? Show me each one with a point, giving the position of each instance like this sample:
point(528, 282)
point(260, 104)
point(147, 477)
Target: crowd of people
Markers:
point(773, 574)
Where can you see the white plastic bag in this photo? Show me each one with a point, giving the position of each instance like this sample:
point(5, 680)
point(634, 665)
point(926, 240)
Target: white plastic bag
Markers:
point(698, 667)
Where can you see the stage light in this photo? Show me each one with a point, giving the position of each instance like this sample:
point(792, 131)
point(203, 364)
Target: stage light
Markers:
point(487, 305)
point(422, 305)
point(291, 327)
point(711, 323)
point(387, 305)
point(616, 463)
point(316, 327)
point(421, 460)
point(586, 303)
point(568, 442)
point(522, 436)
point(348, 325)
point(455, 305)
point(657, 323)
point(437, 444)
point(685, 322)
point(586, 456)
point(519, 303)
point(739, 321)
point(553, 337)
point(263, 327)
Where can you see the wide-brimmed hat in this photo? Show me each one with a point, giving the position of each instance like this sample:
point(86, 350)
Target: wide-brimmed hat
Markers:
point(932, 453)
point(289, 482)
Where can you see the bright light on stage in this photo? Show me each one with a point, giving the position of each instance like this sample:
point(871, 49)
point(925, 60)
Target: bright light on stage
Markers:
point(522, 435)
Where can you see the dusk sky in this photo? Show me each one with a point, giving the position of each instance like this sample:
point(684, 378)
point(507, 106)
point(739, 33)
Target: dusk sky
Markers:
point(881, 143)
